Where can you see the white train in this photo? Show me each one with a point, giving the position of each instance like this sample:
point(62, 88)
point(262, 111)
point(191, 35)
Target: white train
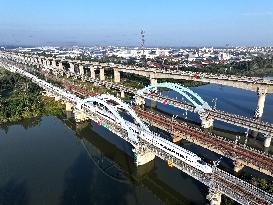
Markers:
point(173, 149)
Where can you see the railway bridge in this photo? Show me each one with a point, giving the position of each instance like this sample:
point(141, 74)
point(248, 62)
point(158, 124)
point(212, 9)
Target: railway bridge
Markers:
point(94, 108)
point(240, 154)
point(78, 69)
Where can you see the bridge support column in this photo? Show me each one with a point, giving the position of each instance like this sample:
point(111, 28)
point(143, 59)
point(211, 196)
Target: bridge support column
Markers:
point(68, 107)
point(81, 70)
point(261, 100)
point(122, 94)
point(92, 72)
point(267, 141)
point(116, 76)
point(80, 116)
point(102, 76)
point(153, 81)
point(238, 166)
point(139, 100)
point(57, 98)
point(206, 121)
point(143, 157)
point(48, 63)
point(214, 197)
point(61, 66)
point(54, 64)
point(72, 67)
point(44, 62)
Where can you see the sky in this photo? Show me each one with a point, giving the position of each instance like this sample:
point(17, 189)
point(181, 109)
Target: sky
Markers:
point(166, 23)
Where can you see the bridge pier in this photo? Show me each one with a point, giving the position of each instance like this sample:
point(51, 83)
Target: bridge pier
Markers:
point(267, 141)
point(122, 94)
point(80, 116)
point(153, 81)
point(81, 69)
point(238, 166)
point(261, 92)
point(72, 67)
point(54, 64)
point(206, 121)
point(68, 107)
point(102, 76)
point(214, 197)
point(92, 71)
point(61, 66)
point(57, 98)
point(139, 100)
point(44, 62)
point(143, 157)
point(116, 75)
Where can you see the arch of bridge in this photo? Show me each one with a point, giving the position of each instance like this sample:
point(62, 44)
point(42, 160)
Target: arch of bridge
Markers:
point(197, 101)
point(102, 99)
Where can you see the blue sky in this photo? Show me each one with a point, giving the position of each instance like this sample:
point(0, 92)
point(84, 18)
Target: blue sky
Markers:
point(118, 22)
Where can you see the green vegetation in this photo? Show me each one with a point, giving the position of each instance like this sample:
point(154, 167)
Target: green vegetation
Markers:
point(21, 99)
point(263, 184)
point(257, 67)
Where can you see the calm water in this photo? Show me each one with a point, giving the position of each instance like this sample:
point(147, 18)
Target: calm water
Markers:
point(50, 161)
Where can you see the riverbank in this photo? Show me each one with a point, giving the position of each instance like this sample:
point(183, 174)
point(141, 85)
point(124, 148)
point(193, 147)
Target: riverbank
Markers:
point(22, 99)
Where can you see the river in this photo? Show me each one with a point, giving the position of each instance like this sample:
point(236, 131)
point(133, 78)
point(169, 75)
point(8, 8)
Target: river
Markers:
point(52, 161)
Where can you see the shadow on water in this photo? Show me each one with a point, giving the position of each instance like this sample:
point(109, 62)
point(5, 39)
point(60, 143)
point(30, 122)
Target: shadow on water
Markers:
point(146, 175)
point(14, 192)
point(85, 185)
point(26, 124)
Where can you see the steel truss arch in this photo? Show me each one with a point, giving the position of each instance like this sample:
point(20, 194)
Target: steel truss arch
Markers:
point(200, 104)
point(102, 99)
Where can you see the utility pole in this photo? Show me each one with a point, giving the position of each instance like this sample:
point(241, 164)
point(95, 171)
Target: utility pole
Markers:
point(142, 33)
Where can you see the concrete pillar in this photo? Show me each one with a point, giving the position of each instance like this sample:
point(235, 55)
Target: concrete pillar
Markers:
point(267, 141)
point(54, 64)
point(80, 116)
point(92, 71)
point(139, 100)
point(57, 98)
point(122, 95)
point(68, 107)
point(44, 62)
point(206, 121)
point(116, 75)
point(102, 76)
point(153, 81)
point(61, 67)
point(214, 197)
point(48, 62)
point(238, 166)
point(142, 157)
point(72, 67)
point(81, 69)
point(261, 100)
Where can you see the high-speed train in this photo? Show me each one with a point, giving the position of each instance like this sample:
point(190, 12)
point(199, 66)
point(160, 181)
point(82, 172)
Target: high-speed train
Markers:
point(178, 152)
point(174, 150)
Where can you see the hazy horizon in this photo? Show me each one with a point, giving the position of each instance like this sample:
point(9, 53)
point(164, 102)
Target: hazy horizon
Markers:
point(118, 23)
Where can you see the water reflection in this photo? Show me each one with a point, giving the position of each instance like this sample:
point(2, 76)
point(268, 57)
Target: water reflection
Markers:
point(58, 162)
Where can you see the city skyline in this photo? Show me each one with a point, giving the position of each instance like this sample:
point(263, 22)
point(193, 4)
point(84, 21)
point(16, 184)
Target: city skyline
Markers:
point(180, 24)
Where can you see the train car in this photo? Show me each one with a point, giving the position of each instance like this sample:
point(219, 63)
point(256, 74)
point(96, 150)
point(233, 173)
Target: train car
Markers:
point(178, 152)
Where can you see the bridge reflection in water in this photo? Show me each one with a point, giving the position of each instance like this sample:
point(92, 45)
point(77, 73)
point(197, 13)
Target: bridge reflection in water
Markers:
point(168, 184)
